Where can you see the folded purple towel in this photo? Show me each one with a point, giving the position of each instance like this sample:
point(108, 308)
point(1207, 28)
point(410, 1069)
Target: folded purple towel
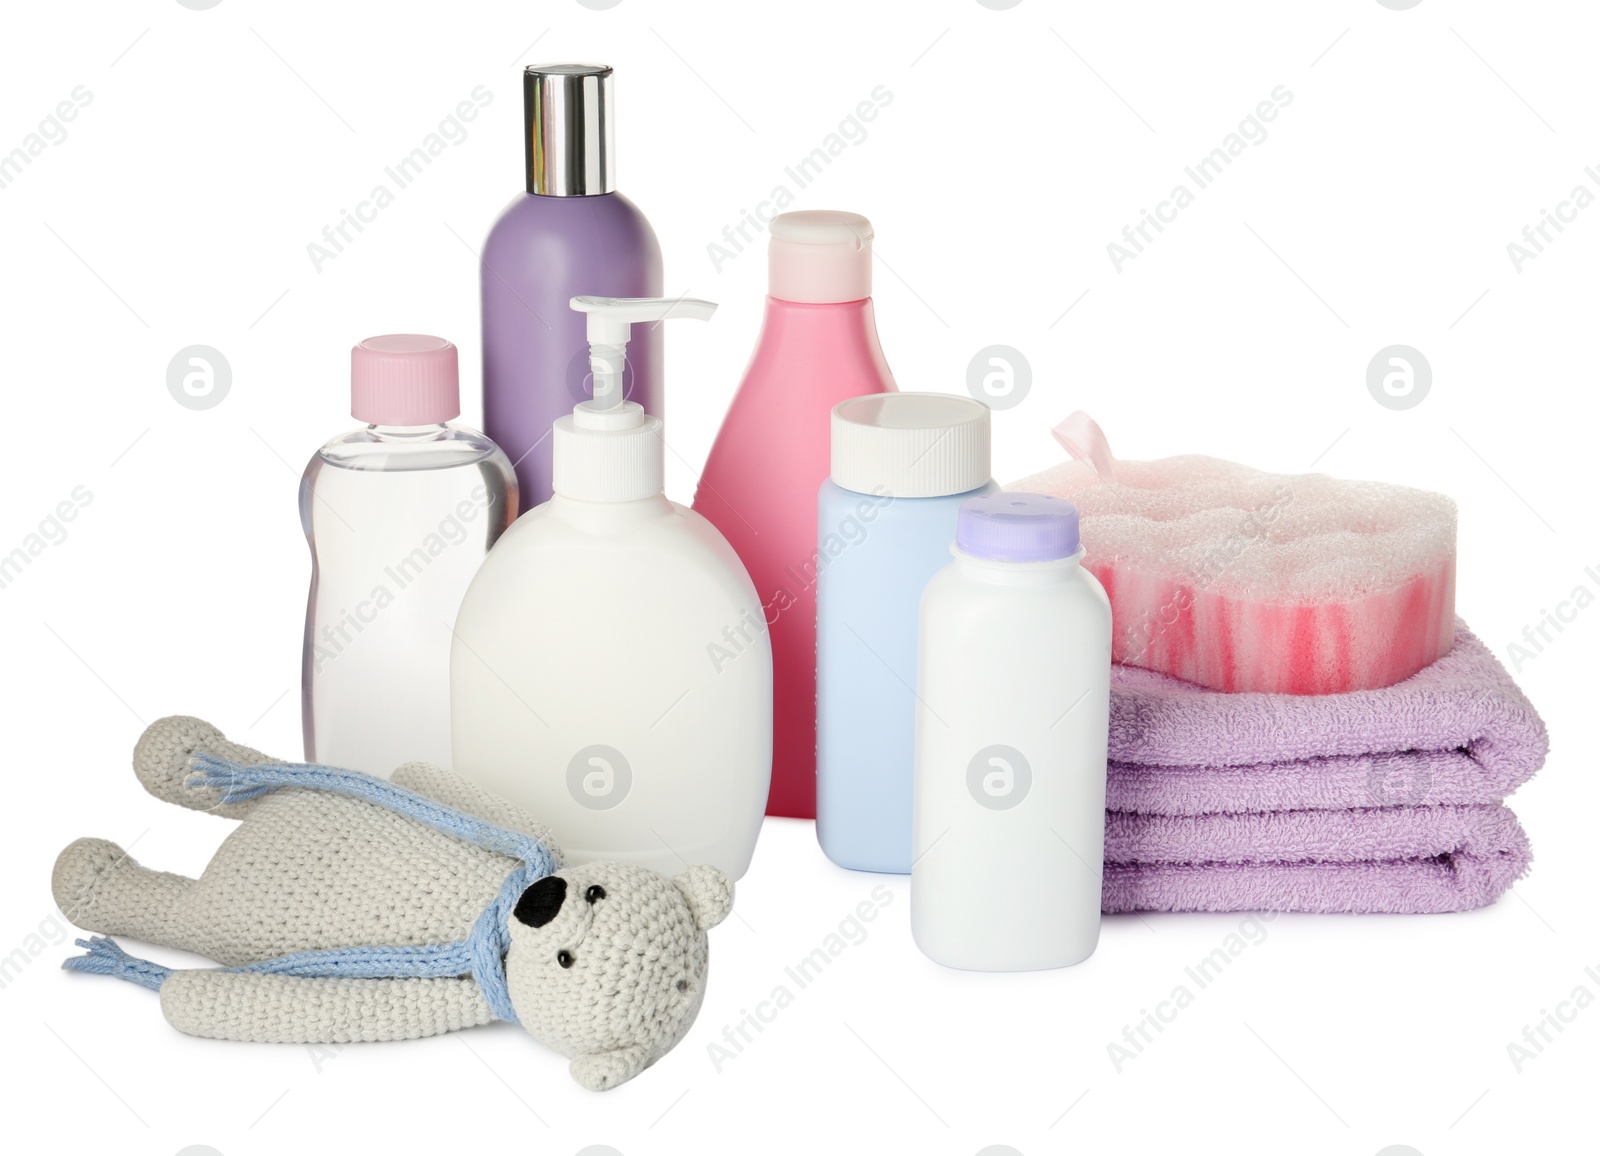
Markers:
point(1376, 800)
point(1450, 882)
point(1459, 731)
point(1404, 860)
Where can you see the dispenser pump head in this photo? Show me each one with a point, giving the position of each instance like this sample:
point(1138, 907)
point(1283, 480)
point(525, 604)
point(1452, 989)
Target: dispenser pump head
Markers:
point(609, 449)
point(611, 322)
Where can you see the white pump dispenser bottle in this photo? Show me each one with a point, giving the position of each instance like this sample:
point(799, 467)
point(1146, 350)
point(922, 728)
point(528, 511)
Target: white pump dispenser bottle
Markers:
point(611, 671)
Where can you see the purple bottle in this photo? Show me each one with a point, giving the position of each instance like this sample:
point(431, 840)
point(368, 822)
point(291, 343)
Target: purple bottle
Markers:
point(571, 233)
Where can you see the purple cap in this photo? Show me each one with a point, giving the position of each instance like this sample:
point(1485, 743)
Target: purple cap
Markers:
point(1017, 527)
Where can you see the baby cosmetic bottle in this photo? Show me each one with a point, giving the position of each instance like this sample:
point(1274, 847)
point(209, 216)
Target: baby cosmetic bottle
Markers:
point(903, 463)
point(399, 515)
point(611, 671)
point(818, 346)
point(1013, 698)
point(569, 232)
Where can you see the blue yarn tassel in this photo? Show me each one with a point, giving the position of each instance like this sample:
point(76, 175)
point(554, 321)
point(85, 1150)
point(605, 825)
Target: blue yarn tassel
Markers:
point(106, 958)
point(482, 954)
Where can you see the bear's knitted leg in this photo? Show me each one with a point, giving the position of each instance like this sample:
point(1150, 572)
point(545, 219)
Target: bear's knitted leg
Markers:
point(100, 887)
point(286, 1009)
point(161, 760)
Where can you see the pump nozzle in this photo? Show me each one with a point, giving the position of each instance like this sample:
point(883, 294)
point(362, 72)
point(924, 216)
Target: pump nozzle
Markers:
point(611, 320)
point(609, 450)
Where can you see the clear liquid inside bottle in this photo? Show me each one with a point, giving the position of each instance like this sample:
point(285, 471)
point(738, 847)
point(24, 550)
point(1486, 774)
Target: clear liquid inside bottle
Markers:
point(398, 519)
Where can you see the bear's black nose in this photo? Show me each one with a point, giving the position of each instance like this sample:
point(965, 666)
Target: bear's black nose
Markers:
point(541, 902)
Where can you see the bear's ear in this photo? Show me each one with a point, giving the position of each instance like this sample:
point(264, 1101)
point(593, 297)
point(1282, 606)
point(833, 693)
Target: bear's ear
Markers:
point(709, 893)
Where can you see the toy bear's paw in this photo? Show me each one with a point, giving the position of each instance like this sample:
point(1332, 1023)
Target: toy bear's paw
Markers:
point(79, 874)
point(709, 892)
point(608, 1069)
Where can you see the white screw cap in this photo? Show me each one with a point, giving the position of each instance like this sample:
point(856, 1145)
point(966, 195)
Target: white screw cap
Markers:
point(910, 445)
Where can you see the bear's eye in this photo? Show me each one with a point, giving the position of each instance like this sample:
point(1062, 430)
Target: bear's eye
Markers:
point(683, 985)
point(595, 893)
point(564, 957)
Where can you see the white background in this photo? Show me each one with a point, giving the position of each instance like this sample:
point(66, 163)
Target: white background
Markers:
point(1016, 146)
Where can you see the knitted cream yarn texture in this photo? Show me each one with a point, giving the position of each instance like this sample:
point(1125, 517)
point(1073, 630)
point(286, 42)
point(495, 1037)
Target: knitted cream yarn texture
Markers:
point(286, 1009)
point(614, 930)
point(607, 962)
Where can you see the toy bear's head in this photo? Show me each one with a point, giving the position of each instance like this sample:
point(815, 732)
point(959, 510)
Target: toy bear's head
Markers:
point(607, 963)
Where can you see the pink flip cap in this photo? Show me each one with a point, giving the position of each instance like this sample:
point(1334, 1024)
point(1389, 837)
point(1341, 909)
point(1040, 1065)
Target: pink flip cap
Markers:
point(819, 257)
point(404, 379)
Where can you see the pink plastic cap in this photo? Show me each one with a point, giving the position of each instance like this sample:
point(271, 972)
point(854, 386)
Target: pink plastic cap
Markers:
point(404, 379)
point(820, 256)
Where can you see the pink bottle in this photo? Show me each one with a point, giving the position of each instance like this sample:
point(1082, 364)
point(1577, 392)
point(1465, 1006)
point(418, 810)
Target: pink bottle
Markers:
point(818, 346)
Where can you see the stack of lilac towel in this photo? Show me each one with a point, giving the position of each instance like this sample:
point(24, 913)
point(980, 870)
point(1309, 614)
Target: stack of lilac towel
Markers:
point(1376, 800)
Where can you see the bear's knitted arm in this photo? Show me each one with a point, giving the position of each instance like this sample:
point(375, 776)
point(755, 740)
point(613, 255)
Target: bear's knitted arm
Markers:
point(447, 787)
point(284, 1009)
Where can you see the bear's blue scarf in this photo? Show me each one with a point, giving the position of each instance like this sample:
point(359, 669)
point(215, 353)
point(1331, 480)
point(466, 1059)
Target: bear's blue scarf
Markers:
point(482, 954)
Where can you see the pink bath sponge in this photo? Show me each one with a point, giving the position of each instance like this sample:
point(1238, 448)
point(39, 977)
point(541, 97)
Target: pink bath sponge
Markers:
point(1247, 581)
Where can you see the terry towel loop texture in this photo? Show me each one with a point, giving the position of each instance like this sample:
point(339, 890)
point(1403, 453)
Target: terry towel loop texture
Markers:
point(1373, 800)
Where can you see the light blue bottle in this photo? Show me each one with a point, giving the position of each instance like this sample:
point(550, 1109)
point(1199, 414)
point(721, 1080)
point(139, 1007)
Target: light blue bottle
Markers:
point(902, 464)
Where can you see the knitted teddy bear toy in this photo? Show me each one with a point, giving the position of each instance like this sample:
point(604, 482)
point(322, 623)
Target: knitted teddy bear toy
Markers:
point(349, 908)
